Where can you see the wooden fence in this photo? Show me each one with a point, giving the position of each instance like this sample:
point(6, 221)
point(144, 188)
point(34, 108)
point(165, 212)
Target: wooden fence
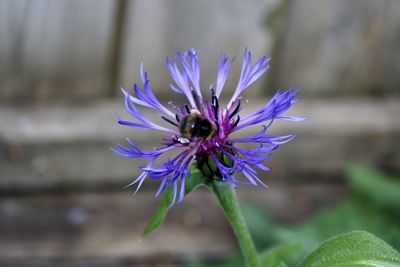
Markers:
point(81, 50)
point(62, 201)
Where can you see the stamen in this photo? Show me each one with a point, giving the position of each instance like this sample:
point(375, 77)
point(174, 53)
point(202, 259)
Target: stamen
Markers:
point(236, 122)
point(187, 108)
point(215, 102)
point(215, 105)
point(168, 120)
point(212, 91)
point(235, 111)
point(196, 98)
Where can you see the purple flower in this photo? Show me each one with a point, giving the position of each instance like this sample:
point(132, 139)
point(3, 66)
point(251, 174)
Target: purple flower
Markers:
point(200, 130)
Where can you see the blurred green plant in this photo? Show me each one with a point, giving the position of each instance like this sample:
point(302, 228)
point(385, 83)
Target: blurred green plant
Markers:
point(357, 248)
point(161, 213)
point(374, 207)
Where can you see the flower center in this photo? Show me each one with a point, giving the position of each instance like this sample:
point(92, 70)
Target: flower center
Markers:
point(208, 166)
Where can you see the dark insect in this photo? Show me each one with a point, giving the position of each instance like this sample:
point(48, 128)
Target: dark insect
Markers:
point(193, 125)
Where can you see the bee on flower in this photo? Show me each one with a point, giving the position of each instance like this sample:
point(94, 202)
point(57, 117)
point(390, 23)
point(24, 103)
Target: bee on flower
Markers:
point(200, 131)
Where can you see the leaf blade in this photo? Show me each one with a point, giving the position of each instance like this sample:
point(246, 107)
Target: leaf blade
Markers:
point(279, 254)
point(357, 248)
point(371, 183)
point(194, 180)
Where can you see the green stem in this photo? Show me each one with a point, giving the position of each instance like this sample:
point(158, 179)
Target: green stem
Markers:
point(227, 198)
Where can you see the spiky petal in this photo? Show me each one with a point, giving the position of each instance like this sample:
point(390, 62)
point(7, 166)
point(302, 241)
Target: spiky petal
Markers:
point(220, 148)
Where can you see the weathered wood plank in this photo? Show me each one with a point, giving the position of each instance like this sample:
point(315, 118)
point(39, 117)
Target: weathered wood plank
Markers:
point(340, 47)
point(94, 229)
point(156, 29)
point(108, 226)
point(55, 49)
point(63, 123)
point(67, 147)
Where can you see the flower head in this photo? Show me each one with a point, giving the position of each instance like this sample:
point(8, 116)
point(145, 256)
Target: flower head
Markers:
point(201, 130)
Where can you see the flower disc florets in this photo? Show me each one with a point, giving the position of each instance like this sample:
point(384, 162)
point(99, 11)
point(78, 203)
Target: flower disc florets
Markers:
point(201, 129)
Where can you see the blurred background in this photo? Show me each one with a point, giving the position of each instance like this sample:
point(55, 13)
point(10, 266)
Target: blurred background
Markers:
point(62, 196)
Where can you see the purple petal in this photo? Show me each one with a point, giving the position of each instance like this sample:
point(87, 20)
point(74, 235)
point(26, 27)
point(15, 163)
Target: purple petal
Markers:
point(146, 123)
point(224, 67)
point(180, 78)
point(249, 74)
point(192, 70)
point(272, 110)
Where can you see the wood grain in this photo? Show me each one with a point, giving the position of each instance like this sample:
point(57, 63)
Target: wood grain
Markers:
point(346, 48)
point(67, 147)
point(55, 49)
point(101, 229)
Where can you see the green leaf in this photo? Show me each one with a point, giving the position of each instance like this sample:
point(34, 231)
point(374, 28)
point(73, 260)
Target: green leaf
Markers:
point(374, 208)
point(376, 186)
point(195, 179)
point(280, 264)
point(235, 260)
point(276, 255)
point(356, 248)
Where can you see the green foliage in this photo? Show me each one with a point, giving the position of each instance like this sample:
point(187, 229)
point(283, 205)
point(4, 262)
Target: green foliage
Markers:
point(370, 209)
point(374, 207)
point(235, 260)
point(277, 255)
point(260, 224)
point(346, 216)
point(378, 188)
point(195, 179)
point(159, 216)
point(356, 248)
